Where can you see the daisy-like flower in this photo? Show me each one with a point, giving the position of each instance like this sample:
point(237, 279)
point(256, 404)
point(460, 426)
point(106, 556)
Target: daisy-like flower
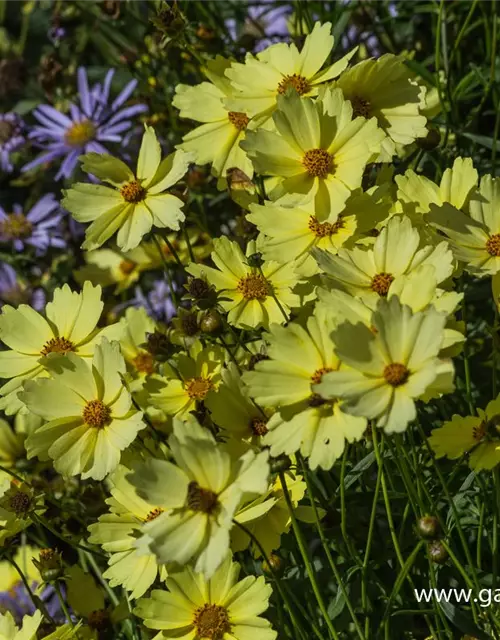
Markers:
point(217, 140)
point(474, 238)
point(86, 127)
point(29, 626)
point(136, 326)
point(69, 327)
point(11, 445)
point(316, 425)
point(221, 608)
point(11, 139)
point(134, 203)
point(370, 273)
point(189, 380)
point(478, 436)
point(117, 532)
point(384, 88)
point(91, 418)
point(416, 193)
point(390, 365)
point(249, 293)
point(260, 81)
point(199, 495)
point(40, 227)
point(292, 229)
point(317, 146)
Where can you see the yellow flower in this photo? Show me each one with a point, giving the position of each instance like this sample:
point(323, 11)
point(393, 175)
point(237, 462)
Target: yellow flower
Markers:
point(318, 147)
point(136, 327)
point(260, 81)
point(23, 557)
point(220, 608)
point(135, 202)
point(217, 140)
point(9, 630)
point(91, 418)
point(249, 293)
point(384, 88)
point(69, 327)
point(478, 436)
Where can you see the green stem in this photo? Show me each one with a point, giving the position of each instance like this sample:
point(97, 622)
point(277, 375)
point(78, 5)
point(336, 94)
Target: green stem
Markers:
point(166, 270)
point(71, 543)
point(38, 603)
point(303, 552)
point(64, 606)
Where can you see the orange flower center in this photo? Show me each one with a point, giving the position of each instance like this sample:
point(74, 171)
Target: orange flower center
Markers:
point(211, 621)
point(325, 229)
point(381, 283)
point(144, 362)
point(199, 499)
point(16, 226)
point(57, 345)
point(493, 245)
point(318, 163)
point(238, 119)
point(126, 267)
point(96, 414)
point(396, 374)
point(154, 513)
point(298, 82)
point(360, 107)
point(133, 192)
point(197, 388)
point(258, 426)
point(254, 287)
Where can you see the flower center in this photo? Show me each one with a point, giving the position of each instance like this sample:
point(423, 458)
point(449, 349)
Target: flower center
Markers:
point(133, 192)
point(381, 283)
point(298, 82)
point(126, 267)
point(7, 130)
point(325, 229)
point(20, 503)
point(80, 133)
point(318, 162)
point(238, 119)
point(396, 374)
point(360, 107)
point(197, 388)
point(493, 245)
point(154, 513)
point(199, 499)
point(144, 362)
point(211, 621)
point(479, 431)
point(96, 414)
point(315, 399)
point(258, 426)
point(254, 287)
point(98, 619)
point(319, 373)
point(57, 345)
point(15, 226)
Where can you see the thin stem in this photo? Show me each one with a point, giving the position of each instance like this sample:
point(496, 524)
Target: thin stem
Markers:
point(37, 602)
point(303, 552)
point(166, 269)
point(71, 543)
point(64, 606)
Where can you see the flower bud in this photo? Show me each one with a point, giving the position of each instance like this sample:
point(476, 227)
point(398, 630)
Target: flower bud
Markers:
point(274, 565)
point(211, 322)
point(428, 527)
point(281, 463)
point(437, 552)
point(255, 260)
point(49, 565)
point(431, 140)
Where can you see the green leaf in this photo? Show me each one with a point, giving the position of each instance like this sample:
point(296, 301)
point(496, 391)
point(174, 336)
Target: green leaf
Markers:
point(484, 141)
point(462, 621)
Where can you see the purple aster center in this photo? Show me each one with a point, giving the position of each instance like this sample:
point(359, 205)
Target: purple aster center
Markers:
point(15, 226)
point(80, 133)
point(7, 130)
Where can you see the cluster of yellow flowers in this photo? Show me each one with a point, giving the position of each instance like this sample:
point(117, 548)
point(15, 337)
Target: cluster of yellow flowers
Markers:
point(336, 317)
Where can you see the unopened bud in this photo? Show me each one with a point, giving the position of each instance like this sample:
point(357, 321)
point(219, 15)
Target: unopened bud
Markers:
point(211, 322)
point(428, 527)
point(437, 552)
point(49, 565)
point(431, 140)
point(274, 565)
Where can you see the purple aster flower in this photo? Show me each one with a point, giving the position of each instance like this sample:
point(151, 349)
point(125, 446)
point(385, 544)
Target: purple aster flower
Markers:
point(18, 601)
point(39, 228)
point(267, 24)
point(11, 138)
point(157, 302)
point(14, 291)
point(86, 126)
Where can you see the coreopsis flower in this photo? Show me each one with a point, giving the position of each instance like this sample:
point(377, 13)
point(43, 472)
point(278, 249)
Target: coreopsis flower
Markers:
point(87, 126)
point(70, 326)
point(219, 608)
point(383, 88)
point(478, 436)
point(249, 293)
point(317, 146)
point(191, 378)
point(199, 495)
point(292, 230)
point(11, 139)
point(89, 413)
point(136, 326)
point(38, 228)
point(416, 193)
point(217, 140)
point(474, 238)
point(369, 273)
point(316, 425)
point(232, 409)
point(260, 81)
point(11, 444)
point(135, 202)
point(27, 631)
point(390, 365)
point(117, 531)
